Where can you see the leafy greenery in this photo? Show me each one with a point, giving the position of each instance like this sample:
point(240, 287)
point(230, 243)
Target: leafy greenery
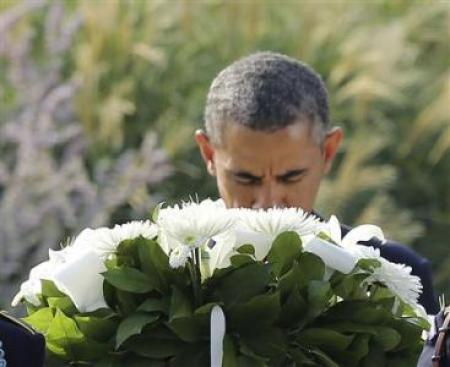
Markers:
point(282, 312)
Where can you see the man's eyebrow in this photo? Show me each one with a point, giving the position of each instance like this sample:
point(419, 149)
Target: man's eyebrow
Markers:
point(292, 173)
point(246, 175)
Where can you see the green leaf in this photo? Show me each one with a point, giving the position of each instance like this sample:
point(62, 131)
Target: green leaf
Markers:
point(300, 358)
point(352, 327)
point(129, 279)
point(40, 320)
point(154, 263)
point(290, 280)
point(186, 328)
point(242, 283)
point(349, 287)
point(133, 325)
point(155, 348)
point(246, 249)
point(229, 352)
point(136, 361)
point(283, 252)
point(239, 260)
point(246, 361)
point(368, 264)
point(305, 269)
point(312, 268)
point(111, 262)
point(156, 211)
point(155, 305)
point(269, 342)
point(324, 338)
point(323, 359)
point(194, 354)
point(49, 289)
point(63, 335)
point(259, 312)
point(126, 302)
point(375, 357)
point(181, 319)
point(65, 304)
point(180, 304)
point(294, 309)
point(127, 253)
point(319, 293)
point(206, 308)
point(96, 328)
point(387, 338)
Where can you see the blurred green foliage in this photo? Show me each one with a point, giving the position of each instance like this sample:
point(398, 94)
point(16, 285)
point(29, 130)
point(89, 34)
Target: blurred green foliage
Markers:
point(147, 65)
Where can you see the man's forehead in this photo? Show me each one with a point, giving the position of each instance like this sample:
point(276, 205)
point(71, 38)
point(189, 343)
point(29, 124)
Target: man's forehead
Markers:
point(300, 130)
point(289, 144)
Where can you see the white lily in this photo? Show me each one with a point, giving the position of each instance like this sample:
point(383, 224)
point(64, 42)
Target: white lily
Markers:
point(362, 233)
point(76, 269)
point(223, 247)
point(334, 256)
point(32, 287)
point(80, 278)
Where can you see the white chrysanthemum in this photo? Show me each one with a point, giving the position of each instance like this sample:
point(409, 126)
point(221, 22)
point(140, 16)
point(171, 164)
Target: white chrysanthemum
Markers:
point(135, 229)
point(274, 221)
point(179, 256)
point(104, 241)
point(261, 227)
point(194, 223)
point(398, 278)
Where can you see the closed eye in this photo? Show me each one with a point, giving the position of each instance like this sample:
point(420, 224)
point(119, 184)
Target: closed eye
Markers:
point(292, 176)
point(245, 178)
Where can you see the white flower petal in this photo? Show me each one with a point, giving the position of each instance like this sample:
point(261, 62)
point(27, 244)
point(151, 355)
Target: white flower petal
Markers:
point(334, 228)
point(333, 256)
point(274, 221)
point(179, 256)
point(193, 223)
point(398, 278)
point(261, 241)
point(221, 251)
point(104, 241)
point(80, 278)
point(362, 233)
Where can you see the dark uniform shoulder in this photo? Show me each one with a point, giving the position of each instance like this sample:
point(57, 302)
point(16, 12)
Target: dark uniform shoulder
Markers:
point(21, 345)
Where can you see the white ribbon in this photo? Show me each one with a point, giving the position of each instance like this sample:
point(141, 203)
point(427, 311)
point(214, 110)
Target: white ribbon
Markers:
point(217, 335)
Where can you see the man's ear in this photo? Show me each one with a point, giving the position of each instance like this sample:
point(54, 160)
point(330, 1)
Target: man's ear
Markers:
point(331, 144)
point(207, 151)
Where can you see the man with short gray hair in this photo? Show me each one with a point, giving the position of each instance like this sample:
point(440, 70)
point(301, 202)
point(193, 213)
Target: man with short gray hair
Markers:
point(269, 142)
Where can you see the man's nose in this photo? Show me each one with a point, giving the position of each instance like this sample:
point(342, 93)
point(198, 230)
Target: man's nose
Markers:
point(268, 196)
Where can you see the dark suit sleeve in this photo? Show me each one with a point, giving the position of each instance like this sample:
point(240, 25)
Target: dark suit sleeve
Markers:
point(400, 254)
point(22, 347)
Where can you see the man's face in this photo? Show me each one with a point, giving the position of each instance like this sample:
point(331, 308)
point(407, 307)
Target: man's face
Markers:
point(260, 170)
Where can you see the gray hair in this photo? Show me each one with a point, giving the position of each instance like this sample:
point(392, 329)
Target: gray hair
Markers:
point(267, 91)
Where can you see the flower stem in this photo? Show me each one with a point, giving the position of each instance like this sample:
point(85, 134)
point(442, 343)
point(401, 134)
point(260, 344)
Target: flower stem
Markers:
point(194, 269)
